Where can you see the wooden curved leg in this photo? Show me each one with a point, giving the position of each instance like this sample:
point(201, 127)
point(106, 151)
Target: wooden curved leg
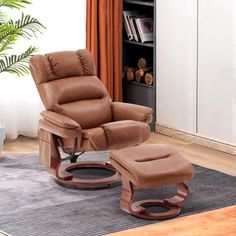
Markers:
point(62, 174)
point(181, 195)
point(65, 178)
point(138, 208)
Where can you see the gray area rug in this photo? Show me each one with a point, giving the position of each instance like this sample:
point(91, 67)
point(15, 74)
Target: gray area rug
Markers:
point(32, 204)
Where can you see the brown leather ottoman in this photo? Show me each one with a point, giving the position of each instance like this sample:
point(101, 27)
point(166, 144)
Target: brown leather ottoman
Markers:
point(152, 166)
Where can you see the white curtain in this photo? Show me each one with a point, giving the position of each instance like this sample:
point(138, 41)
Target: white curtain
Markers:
point(20, 106)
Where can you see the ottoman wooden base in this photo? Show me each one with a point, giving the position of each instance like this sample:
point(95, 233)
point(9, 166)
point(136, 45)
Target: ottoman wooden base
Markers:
point(138, 208)
point(152, 166)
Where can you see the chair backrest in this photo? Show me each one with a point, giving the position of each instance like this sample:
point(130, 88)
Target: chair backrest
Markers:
point(67, 85)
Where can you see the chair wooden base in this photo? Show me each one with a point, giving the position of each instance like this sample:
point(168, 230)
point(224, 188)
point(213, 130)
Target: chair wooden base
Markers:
point(66, 179)
point(138, 208)
point(61, 171)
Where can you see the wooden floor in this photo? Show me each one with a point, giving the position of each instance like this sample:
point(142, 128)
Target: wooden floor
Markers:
point(220, 222)
point(20, 145)
point(193, 152)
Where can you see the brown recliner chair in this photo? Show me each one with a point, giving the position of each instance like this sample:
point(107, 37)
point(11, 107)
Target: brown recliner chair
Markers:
point(80, 116)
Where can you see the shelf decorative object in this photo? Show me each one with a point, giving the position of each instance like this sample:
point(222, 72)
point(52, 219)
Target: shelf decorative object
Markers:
point(141, 73)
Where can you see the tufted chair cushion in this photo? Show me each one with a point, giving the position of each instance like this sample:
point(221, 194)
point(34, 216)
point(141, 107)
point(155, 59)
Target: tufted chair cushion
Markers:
point(67, 85)
point(58, 65)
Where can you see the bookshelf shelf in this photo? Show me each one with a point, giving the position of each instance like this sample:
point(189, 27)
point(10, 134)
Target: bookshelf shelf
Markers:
point(143, 3)
point(134, 92)
point(139, 43)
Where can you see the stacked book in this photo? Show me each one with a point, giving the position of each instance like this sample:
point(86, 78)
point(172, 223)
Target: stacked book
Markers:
point(138, 27)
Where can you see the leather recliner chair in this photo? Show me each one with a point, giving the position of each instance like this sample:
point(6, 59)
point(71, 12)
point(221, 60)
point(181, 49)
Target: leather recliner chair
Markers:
point(79, 116)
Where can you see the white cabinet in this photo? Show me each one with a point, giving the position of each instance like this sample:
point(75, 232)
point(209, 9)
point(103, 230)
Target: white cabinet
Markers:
point(196, 72)
point(217, 70)
point(176, 63)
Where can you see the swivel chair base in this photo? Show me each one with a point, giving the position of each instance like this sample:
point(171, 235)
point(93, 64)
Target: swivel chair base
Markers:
point(64, 177)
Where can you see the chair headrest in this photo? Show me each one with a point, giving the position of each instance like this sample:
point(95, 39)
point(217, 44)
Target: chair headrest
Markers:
point(58, 65)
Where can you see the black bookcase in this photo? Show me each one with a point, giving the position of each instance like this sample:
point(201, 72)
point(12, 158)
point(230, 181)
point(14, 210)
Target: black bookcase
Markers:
point(135, 92)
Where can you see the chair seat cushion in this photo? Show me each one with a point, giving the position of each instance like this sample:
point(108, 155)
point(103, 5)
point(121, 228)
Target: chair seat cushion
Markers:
point(114, 135)
point(151, 166)
point(94, 139)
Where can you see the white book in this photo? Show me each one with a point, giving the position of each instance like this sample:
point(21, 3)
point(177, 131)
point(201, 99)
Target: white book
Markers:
point(130, 18)
point(127, 24)
point(134, 27)
point(145, 29)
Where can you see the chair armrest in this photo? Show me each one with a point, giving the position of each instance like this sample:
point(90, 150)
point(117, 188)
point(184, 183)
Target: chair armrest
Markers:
point(127, 111)
point(60, 120)
point(60, 125)
point(59, 131)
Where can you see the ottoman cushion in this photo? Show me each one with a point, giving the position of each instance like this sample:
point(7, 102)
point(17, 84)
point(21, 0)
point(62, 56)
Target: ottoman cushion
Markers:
point(151, 166)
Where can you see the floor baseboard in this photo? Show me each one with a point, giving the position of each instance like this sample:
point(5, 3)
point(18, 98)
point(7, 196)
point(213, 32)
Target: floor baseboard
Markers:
point(197, 139)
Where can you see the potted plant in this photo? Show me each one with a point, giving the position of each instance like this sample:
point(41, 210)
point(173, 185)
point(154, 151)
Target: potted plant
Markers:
point(2, 135)
point(10, 32)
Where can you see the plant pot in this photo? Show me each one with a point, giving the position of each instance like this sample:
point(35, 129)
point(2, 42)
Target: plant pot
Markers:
point(2, 136)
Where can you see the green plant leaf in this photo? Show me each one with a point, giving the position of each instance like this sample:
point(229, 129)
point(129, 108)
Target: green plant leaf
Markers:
point(7, 29)
point(11, 31)
point(28, 25)
point(3, 17)
point(17, 4)
point(7, 43)
point(17, 64)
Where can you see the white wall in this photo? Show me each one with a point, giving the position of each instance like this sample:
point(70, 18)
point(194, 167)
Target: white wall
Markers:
point(196, 88)
point(176, 63)
point(217, 69)
point(65, 22)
